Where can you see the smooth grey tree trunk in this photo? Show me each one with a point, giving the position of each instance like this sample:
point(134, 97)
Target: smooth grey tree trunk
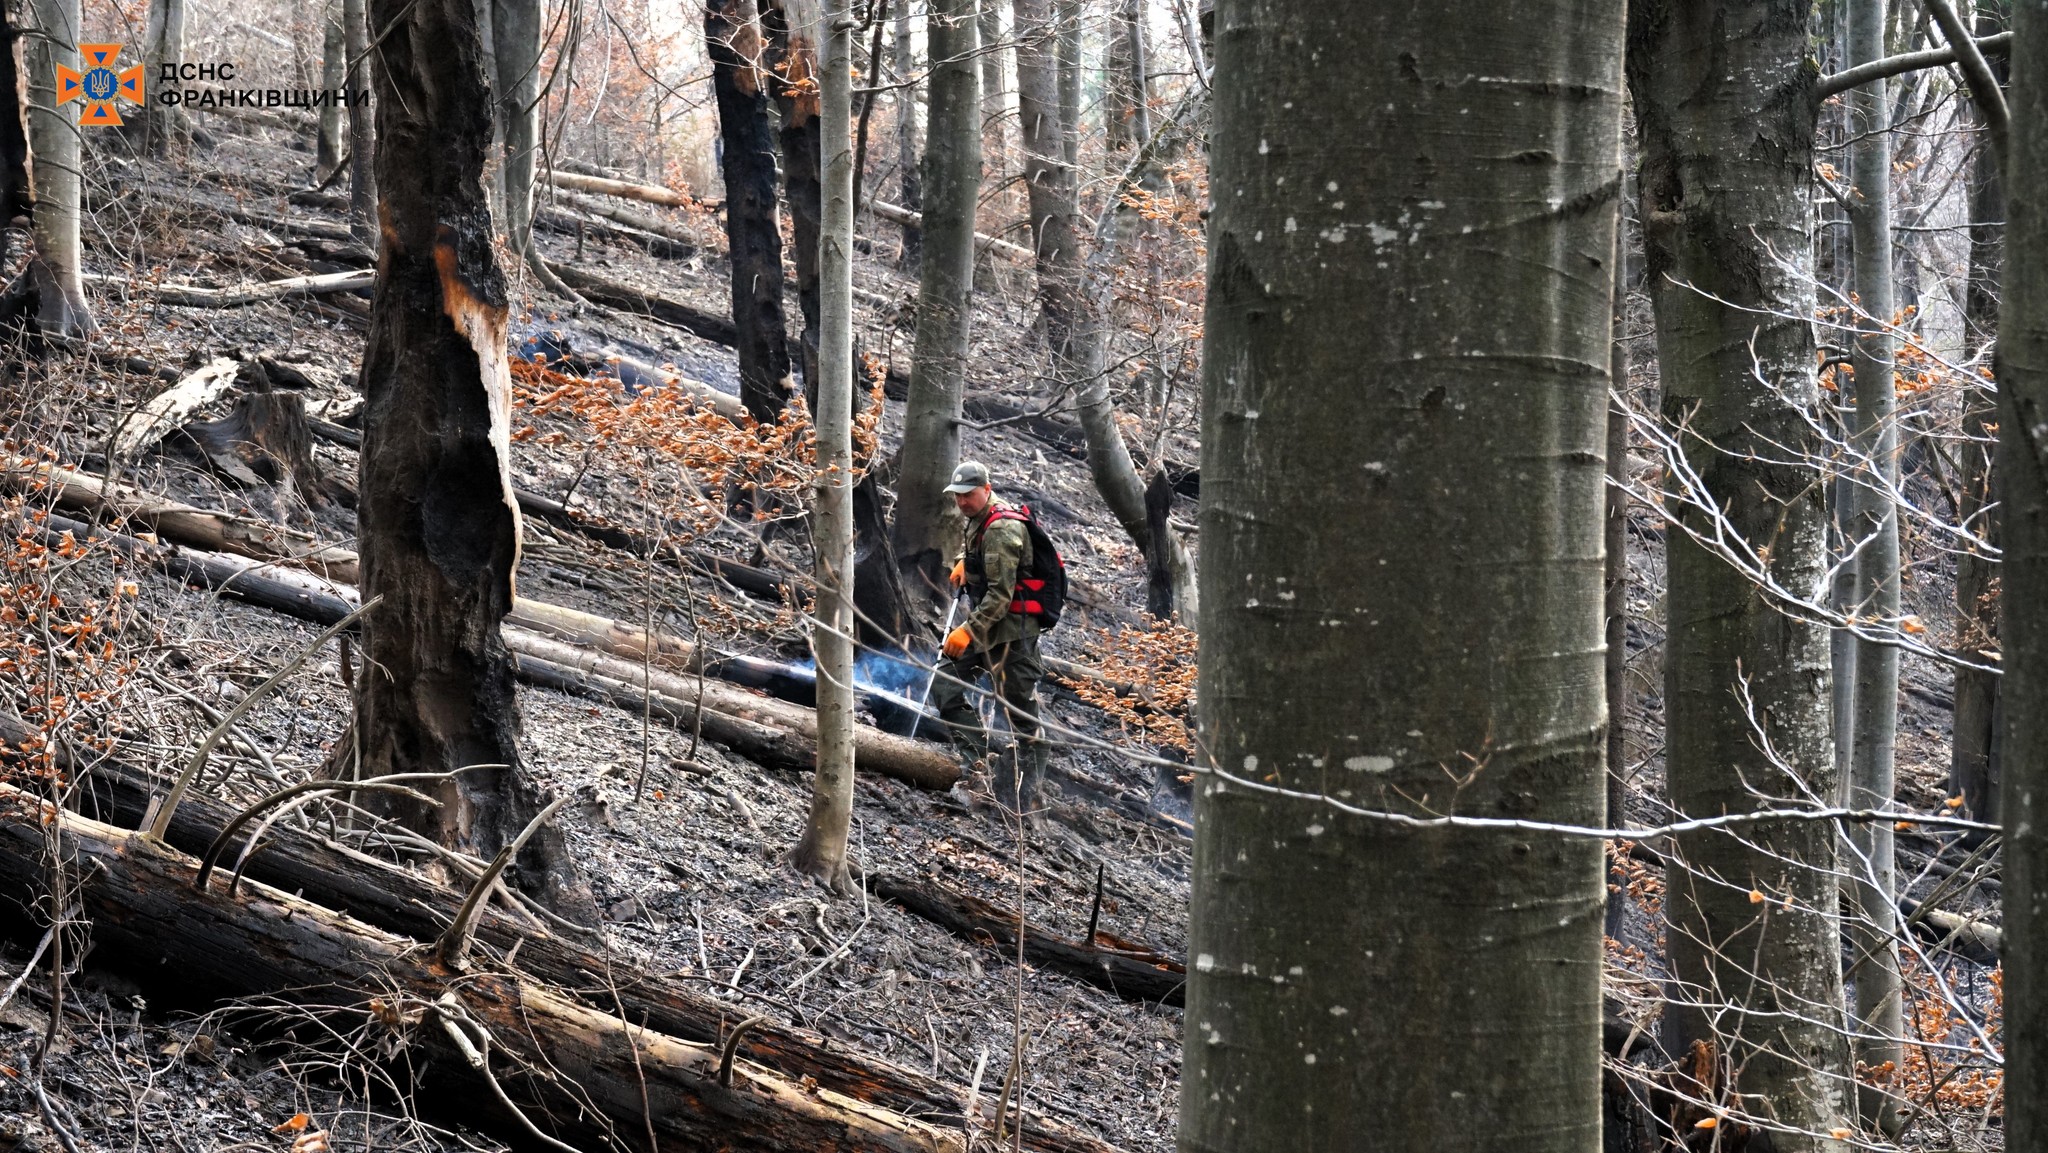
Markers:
point(1871, 915)
point(821, 852)
point(1974, 763)
point(362, 128)
point(1725, 107)
point(61, 311)
point(163, 43)
point(515, 48)
point(994, 91)
point(1068, 15)
point(926, 528)
point(1615, 542)
point(1074, 324)
point(1401, 579)
point(2023, 628)
point(909, 188)
point(1127, 112)
point(333, 67)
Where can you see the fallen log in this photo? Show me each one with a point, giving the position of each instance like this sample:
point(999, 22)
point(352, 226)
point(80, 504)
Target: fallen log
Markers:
point(403, 902)
point(655, 245)
point(712, 326)
point(896, 214)
point(1132, 972)
point(620, 214)
point(1978, 940)
point(169, 408)
point(607, 1085)
point(606, 186)
point(195, 295)
point(220, 532)
point(793, 742)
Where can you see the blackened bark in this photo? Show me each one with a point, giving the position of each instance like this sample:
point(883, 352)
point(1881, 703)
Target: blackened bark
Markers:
point(1724, 102)
point(1353, 984)
point(1973, 767)
point(2023, 626)
point(440, 525)
point(732, 29)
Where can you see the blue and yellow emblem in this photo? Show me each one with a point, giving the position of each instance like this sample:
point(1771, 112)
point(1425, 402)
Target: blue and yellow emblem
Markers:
point(99, 85)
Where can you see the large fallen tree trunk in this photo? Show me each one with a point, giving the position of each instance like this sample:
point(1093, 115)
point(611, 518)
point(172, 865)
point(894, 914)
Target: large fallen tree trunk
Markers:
point(192, 294)
point(196, 527)
point(1132, 972)
point(405, 903)
point(607, 1084)
point(650, 193)
point(791, 744)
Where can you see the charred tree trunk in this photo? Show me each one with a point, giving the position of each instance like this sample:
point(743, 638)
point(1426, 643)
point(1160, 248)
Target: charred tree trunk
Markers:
point(2023, 627)
point(362, 126)
point(794, 64)
point(909, 182)
point(822, 851)
point(440, 523)
point(926, 529)
point(1725, 105)
point(1871, 913)
point(1348, 975)
point(333, 71)
point(54, 269)
point(732, 30)
point(1973, 769)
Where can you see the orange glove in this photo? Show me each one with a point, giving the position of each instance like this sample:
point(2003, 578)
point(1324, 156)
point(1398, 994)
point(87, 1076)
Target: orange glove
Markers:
point(957, 642)
point(959, 574)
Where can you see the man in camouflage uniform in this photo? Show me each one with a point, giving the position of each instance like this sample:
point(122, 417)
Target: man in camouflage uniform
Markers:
point(994, 551)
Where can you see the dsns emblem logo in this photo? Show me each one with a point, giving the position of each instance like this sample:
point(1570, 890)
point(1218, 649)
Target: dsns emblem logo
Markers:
point(99, 85)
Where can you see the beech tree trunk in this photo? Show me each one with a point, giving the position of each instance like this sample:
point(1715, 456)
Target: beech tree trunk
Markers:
point(1067, 15)
point(1974, 764)
point(1126, 111)
point(164, 43)
point(2023, 627)
point(53, 130)
point(1724, 102)
point(732, 30)
point(1614, 671)
point(440, 522)
point(793, 53)
point(909, 190)
point(1353, 984)
point(333, 68)
point(515, 51)
point(362, 126)
point(926, 528)
point(822, 851)
point(994, 102)
point(1871, 914)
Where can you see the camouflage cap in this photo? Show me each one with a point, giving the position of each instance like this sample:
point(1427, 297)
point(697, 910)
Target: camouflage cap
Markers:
point(971, 475)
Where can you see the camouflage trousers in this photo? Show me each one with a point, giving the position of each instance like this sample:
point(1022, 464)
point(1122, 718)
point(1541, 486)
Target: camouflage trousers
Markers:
point(1015, 669)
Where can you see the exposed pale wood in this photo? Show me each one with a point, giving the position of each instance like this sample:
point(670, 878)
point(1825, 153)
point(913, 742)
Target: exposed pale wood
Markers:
point(651, 193)
point(169, 408)
point(191, 294)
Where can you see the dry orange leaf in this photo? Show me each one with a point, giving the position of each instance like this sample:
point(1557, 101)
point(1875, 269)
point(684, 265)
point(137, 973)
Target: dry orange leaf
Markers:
point(1840, 1134)
point(1706, 1122)
point(1756, 896)
point(298, 1121)
point(1954, 802)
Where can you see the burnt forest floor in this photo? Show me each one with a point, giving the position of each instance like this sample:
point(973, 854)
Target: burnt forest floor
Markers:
point(690, 877)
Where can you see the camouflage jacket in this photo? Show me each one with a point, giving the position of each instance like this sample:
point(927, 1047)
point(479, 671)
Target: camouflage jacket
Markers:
point(995, 551)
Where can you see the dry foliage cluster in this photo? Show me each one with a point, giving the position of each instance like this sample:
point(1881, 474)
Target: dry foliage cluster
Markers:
point(1149, 681)
point(63, 663)
point(1945, 1065)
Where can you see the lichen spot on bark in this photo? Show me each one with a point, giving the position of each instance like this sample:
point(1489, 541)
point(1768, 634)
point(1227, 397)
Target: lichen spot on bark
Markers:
point(481, 317)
